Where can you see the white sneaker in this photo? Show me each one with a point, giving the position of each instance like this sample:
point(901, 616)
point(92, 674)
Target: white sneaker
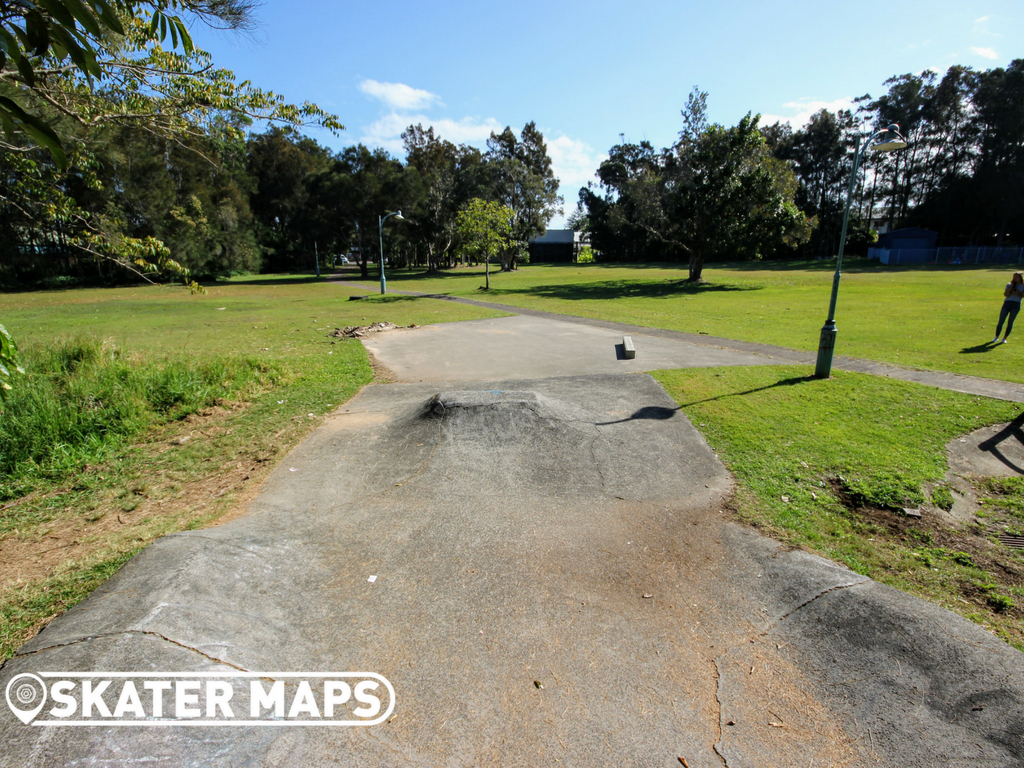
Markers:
point(1004, 341)
point(995, 340)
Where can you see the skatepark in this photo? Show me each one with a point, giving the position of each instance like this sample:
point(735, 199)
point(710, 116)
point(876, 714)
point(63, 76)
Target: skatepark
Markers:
point(529, 543)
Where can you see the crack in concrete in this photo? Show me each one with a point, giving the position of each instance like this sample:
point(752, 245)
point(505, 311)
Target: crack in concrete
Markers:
point(373, 735)
point(721, 731)
point(718, 672)
point(150, 633)
point(193, 535)
point(594, 461)
point(804, 604)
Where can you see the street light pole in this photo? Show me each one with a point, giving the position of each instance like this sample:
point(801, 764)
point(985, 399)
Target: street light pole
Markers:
point(380, 231)
point(888, 140)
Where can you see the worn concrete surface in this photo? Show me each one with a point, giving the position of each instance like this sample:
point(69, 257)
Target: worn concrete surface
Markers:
point(563, 530)
point(534, 347)
point(996, 451)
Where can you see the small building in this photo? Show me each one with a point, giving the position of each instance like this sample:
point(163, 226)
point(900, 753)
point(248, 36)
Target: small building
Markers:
point(907, 239)
point(556, 246)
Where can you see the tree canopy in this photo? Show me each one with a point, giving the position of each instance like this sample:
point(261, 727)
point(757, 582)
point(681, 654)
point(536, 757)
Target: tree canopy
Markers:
point(716, 192)
point(487, 229)
point(77, 75)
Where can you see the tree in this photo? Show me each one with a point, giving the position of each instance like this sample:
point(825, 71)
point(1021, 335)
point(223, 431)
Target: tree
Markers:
point(522, 180)
point(730, 197)
point(443, 177)
point(820, 153)
point(718, 192)
point(72, 67)
point(486, 229)
point(280, 163)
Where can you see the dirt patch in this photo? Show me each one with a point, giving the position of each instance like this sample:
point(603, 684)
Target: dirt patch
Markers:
point(136, 513)
point(364, 331)
point(990, 567)
point(381, 373)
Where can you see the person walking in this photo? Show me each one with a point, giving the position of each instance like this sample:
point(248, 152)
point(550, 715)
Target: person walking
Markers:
point(1011, 305)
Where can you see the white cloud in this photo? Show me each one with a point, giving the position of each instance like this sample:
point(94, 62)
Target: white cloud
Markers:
point(981, 19)
point(387, 131)
point(988, 53)
point(804, 108)
point(399, 95)
point(574, 162)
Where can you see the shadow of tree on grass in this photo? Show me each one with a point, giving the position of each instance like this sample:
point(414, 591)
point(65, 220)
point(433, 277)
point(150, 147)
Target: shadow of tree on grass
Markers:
point(620, 289)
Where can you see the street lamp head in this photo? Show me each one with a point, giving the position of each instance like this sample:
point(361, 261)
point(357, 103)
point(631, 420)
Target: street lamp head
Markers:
point(889, 140)
point(399, 217)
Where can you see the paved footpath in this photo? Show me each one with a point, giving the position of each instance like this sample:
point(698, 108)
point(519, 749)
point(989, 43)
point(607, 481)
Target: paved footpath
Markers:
point(764, 353)
point(529, 545)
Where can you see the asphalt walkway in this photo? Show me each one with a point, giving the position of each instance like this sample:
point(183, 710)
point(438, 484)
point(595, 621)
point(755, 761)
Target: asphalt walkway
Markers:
point(767, 353)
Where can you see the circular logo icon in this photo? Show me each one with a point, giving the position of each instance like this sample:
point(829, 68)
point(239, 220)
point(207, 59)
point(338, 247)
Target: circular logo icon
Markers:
point(26, 695)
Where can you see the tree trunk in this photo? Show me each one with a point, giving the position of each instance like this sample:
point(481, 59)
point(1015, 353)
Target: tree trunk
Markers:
point(696, 268)
point(364, 270)
point(487, 272)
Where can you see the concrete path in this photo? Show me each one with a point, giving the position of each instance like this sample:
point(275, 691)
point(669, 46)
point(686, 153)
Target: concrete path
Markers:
point(766, 353)
point(554, 585)
point(534, 347)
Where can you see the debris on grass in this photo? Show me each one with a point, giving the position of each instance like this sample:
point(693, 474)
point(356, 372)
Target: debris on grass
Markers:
point(364, 331)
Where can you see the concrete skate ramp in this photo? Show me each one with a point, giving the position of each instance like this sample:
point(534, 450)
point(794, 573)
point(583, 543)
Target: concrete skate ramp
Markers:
point(555, 585)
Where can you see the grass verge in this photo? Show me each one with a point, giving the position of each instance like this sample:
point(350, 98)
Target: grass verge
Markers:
point(829, 465)
point(194, 400)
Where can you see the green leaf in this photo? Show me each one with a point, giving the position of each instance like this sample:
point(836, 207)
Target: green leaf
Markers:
point(37, 129)
point(9, 44)
point(85, 16)
point(56, 9)
point(70, 45)
point(25, 69)
point(186, 38)
point(38, 34)
point(108, 16)
point(7, 124)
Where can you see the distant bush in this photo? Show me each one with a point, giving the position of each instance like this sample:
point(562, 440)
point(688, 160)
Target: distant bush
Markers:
point(83, 399)
point(586, 255)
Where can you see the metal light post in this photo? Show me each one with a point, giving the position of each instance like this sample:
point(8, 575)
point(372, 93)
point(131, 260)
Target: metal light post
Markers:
point(888, 140)
point(380, 225)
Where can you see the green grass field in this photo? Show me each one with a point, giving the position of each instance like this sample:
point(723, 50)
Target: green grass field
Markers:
point(189, 403)
point(933, 318)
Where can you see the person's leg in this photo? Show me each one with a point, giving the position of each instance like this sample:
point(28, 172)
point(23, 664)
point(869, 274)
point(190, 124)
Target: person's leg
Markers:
point(1014, 309)
point(1003, 312)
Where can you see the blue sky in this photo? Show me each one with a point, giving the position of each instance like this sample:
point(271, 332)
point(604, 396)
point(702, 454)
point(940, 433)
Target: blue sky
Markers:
point(588, 72)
